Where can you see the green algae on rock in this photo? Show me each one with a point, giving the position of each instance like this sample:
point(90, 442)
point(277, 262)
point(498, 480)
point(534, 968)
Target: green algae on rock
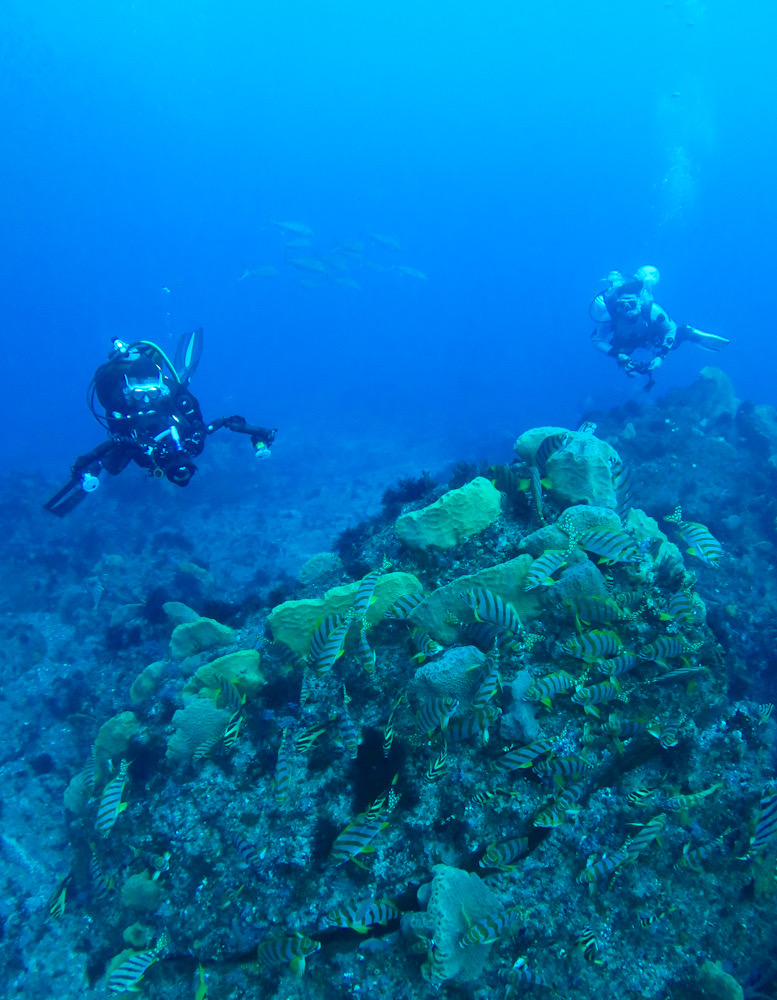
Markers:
point(457, 515)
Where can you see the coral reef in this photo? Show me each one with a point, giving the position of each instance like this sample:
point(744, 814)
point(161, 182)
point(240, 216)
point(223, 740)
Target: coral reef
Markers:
point(540, 759)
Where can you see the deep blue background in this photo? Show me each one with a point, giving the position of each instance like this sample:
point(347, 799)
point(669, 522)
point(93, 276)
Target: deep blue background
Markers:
point(518, 151)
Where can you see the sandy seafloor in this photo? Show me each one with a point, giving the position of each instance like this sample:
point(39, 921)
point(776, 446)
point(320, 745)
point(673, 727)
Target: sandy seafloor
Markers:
point(82, 617)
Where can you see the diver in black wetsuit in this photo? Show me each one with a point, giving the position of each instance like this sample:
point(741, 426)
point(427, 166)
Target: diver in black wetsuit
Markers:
point(151, 417)
point(632, 328)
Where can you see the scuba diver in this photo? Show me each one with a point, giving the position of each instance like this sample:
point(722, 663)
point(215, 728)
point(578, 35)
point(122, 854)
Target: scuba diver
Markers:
point(151, 417)
point(635, 330)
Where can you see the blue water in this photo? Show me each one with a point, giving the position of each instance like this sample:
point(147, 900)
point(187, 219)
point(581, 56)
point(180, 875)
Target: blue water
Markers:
point(517, 152)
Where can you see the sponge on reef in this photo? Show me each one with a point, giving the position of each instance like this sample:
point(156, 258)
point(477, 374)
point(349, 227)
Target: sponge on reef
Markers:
point(242, 668)
point(457, 515)
point(455, 898)
point(443, 608)
point(200, 722)
point(580, 471)
point(294, 622)
point(190, 638)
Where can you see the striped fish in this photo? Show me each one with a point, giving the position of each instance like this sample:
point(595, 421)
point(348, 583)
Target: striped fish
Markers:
point(679, 608)
point(559, 811)
point(502, 856)
point(321, 635)
point(701, 542)
point(365, 654)
point(282, 777)
point(667, 733)
point(232, 731)
point(126, 976)
point(691, 800)
point(766, 825)
point(542, 689)
point(437, 768)
point(572, 766)
point(203, 749)
point(476, 723)
point(521, 757)
point(622, 487)
point(594, 610)
point(665, 647)
point(365, 595)
point(610, 546)
point(425, 644)
point(390, 730)
point(618, 665)
point(111, 806)
point(357, 838)
point(488, 637)
point(547, 447)
point(542, 569)
point(521, 975)
point(435, 714)
point(249, 853)
point(604, 867)
point(588, 945)
point(58, 898)
point(535, 488)
point(402, 608)
point(597, 645)
point(489, 607)
point(349, 736)
point(489, 682)
point(362, 915)
point(331, 647)
point(231, 698)
point(641, 840)
point(597, 694)
point(304, 741)
point(101, 886)
point(693, 857)
point(490, 929)
point(292, 949)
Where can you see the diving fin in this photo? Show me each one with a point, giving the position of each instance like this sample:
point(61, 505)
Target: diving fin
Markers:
point(187, 354)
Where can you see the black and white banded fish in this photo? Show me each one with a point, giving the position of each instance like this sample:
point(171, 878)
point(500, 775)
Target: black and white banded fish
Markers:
point(475, 723)
point(547, 447)
point(291, 950)
point(610, 546)
point(521, 757)
point(592, 646)
point(126, 976)
point(389, 730)
point(543, 689)
point(403, 607)
point(766, 825)
point(365, 654)
point(502, 856)
point(328, 647)
point(595, 871)
point(489, 682)
point(692, 857)
point(438, 768)
point(490, 928)
point(698, 537)
point(248, 853)
point(111, 806)
point(435, 713)
point(644, 837)
point(349, 735)
point(282, 776)
point(489, 607)
point(542, 569)
point(362, 915)
point(594, 610)
point(597, 694)
point(618, 665)
point(365, 595)
point(425, 644)
point(589, 946)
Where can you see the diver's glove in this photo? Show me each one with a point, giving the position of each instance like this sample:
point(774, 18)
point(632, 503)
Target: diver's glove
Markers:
point(624, 361)
point(655, 363)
